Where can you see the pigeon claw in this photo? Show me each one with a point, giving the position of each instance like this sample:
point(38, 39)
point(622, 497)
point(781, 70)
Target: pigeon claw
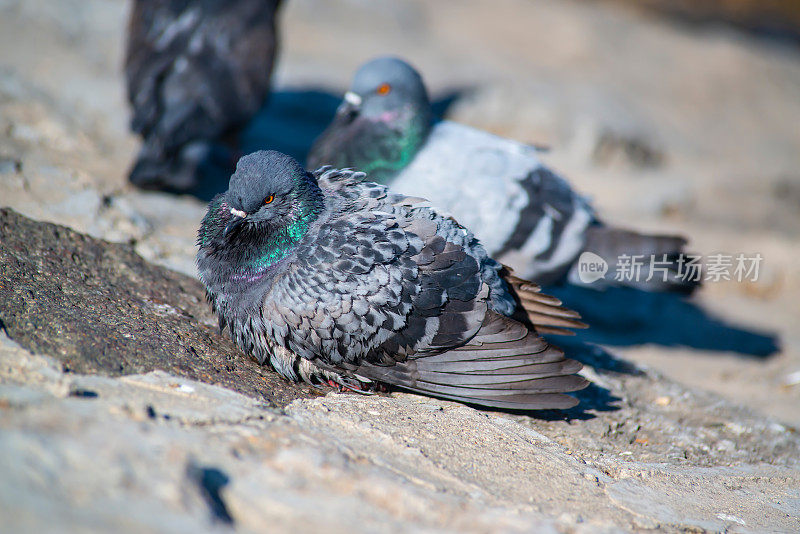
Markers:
point(342, 387)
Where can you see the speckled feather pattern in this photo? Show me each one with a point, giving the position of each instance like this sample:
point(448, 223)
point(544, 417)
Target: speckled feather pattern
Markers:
point(379, 283)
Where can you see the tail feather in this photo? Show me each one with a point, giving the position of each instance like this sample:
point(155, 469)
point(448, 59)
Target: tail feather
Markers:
point(623, 249)
point(544, 311)
point(506, 365)
point(155, 169)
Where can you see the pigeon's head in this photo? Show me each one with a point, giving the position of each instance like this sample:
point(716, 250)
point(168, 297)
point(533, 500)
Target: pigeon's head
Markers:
point(385, 86)
point(270, 191)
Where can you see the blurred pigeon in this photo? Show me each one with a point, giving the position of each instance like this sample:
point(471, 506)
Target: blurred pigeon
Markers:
point(336, 280)
point(524, 214)
point(195, 72)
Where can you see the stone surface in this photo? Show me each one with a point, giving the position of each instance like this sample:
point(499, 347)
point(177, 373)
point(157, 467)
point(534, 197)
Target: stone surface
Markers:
point(691, 130)
point(172, 449)
point(669, 128)
point(166, 454)
point(774, 18)
point(99, 307)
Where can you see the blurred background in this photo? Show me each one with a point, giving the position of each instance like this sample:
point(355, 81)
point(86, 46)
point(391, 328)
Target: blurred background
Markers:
point(673, 116)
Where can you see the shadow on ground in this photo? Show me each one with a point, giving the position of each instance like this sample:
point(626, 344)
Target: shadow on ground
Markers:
point(626, 316)
point(289, 122)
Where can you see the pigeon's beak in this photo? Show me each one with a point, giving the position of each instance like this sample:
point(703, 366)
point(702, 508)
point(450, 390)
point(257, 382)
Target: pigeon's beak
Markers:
point(236, 222)
point(351, 104)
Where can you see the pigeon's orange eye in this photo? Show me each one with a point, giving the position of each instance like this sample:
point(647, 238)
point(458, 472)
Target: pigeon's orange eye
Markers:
point(269, 199)
point(383, 89)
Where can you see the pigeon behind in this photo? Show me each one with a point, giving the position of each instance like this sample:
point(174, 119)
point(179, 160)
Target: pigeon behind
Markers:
point(526, 215)
point(334, 279)
point(196, 72)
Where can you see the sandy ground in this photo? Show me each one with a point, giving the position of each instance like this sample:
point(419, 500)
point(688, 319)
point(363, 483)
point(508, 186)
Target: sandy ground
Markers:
point(714, 112)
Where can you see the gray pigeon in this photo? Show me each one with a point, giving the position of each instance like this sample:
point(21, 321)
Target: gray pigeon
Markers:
point(336, 280)
point(524, 214)
point(195, 71)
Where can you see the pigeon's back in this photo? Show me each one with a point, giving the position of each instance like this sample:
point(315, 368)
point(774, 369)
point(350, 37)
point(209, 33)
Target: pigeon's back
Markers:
point(525, 215)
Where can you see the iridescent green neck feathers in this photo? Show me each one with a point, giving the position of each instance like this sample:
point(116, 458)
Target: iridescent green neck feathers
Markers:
point(280, 242)
point(410, 129)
